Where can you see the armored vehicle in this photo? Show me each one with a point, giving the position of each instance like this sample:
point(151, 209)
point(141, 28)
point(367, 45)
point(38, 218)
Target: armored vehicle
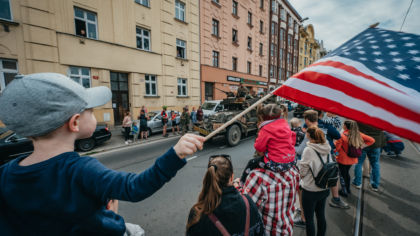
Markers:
point(231, 107)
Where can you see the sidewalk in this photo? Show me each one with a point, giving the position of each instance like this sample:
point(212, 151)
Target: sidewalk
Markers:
point(117, 141)
point(395, 209)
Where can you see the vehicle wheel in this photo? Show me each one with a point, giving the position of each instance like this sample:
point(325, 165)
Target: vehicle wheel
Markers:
point(86, 144)
point(233, 135)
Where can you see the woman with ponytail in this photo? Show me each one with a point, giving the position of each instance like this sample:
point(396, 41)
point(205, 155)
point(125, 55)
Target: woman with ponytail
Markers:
point(220, 201)
point(351, 138)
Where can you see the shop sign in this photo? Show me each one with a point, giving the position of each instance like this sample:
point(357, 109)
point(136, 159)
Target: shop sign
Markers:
point(246, 81)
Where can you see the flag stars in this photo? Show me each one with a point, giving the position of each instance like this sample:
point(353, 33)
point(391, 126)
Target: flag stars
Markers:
point(418, 67)
point(397, 60)
point(400, 67)
point(403, 76)
point(377, 53)
point(385, 35)
point(374, 47)
point(414, 52)
point(377, 60)
point(409, 44)
point(361, 52)
point(363, 59)
point(346, 53)
point(370, 37)
point(406, 38)
point(388, 40)
point(373, 41)
point(416, 59)
point(381, 67)
point(359, 47)
point(394, 53)
point(391, 46)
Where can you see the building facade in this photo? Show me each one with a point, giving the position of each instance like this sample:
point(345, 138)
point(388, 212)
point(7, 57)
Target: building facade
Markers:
point(146, 52)
point(309, 48)
point(284, 41)
point(234, 46)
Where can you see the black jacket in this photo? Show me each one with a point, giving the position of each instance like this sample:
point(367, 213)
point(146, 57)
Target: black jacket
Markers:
point(232, 214)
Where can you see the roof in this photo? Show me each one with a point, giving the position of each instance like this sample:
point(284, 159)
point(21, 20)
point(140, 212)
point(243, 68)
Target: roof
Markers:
point(292, 9)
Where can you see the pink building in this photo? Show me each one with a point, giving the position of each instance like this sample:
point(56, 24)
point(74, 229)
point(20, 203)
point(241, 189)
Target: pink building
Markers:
point(234, 46)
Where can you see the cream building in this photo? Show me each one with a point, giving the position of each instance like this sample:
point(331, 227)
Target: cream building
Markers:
point(309, 48)
point(146, 51)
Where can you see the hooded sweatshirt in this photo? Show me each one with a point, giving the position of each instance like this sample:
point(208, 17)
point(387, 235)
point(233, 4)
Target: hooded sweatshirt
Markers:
point(310, 161)
point(277, 141)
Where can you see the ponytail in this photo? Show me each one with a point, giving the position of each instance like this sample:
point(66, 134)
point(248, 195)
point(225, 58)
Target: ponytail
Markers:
point(354, 137)
point(316, 134)
point(217, 176)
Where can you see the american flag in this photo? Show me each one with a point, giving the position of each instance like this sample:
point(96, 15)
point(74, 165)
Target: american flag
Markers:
point(373, 78)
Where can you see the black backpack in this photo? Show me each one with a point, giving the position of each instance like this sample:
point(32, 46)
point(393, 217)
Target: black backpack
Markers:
point(328, 175)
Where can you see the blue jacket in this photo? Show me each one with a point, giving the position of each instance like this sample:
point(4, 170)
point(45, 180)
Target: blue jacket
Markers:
point(67, 194)
point(330, 132)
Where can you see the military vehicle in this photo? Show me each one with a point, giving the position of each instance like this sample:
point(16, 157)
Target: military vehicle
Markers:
point(232, 106)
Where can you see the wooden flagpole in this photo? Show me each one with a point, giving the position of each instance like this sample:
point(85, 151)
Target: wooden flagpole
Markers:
point(209, 136)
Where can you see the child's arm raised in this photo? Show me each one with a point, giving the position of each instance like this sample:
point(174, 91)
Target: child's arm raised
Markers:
point(105, 183)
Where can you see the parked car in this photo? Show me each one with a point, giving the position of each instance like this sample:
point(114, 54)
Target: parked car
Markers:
point(13, 145)
point(211, 107)
point(154, 124)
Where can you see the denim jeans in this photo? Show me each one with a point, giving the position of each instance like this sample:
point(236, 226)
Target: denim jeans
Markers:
point(373, 155)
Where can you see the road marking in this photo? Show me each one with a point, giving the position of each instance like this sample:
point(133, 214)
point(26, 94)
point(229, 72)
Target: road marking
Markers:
point(416, 147)
point(191, 158)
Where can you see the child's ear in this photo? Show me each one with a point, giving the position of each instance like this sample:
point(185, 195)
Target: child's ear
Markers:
point(74, 123)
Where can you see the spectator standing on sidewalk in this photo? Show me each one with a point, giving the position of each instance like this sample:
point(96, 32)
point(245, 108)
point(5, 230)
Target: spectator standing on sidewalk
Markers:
point(313, 197)
point(126, 124)
point(164, 116)
point(193, 116)
point(200, 114)
point(333, 120)
point(185, 120)
point(351, 137)
point(175, 124)
point(220, 200)
point(373, 152)
point(394, 144)
point(143, 124)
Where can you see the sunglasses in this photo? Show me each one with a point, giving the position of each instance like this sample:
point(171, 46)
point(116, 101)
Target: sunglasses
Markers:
point(227, 157)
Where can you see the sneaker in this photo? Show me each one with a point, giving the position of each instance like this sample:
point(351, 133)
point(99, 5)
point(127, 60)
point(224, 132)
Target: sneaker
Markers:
point(299, 223)
point(339, 204)
point(356, 186)
point(375, 189)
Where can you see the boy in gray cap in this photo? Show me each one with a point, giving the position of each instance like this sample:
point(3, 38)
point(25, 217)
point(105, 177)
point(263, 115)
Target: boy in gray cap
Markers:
point(54, 191)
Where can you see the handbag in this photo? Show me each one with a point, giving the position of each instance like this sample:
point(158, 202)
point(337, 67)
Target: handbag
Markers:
point(220, 226)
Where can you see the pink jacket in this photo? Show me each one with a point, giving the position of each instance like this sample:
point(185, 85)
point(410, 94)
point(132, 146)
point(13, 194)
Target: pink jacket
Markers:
point(277, 140)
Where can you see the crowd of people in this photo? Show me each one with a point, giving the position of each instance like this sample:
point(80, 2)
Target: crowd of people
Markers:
point(139, 130)
point(54, 191)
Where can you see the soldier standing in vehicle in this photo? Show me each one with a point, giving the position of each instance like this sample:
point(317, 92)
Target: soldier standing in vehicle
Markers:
point(185, 120)
point(242, 91)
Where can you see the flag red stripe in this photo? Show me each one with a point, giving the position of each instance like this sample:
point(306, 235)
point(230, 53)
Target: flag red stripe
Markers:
point(337, 108)
point(353, 71)
point(359, 93)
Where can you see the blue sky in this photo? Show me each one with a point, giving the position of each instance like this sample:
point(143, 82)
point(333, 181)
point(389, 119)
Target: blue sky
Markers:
point(336, 21)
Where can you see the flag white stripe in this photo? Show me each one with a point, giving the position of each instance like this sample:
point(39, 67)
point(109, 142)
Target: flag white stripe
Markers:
point(369, 85)
point(353, 103)
point(362, 68)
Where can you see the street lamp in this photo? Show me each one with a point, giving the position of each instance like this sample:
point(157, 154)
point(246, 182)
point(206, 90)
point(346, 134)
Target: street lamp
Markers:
point(306, 18)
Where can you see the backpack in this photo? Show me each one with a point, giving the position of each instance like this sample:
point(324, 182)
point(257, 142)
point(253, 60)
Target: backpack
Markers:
point(352, 151)
point(328, 175)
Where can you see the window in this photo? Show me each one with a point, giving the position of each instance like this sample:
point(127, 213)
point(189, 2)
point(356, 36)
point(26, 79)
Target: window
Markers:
point(283, 14)
point(280, 74)
point(215, 28)
point(85, 23)
point(262, 4)
point(216, 1)
point(290, 21)
point(288, 59)
point(234, 35)
point(282, 38)
point(296, 27)
point(249, 18)
point(274, 6)
point(271, 71)
point(8, 71)
point(273, 50)
point(249, 43)
point(182, 87)
point(215, 58)
point(281, 54)
point(260, 68)
point(179, 10)
point(143, 39)
point(289, 42)
point(273, 28)
point(6, 12)
point(287, 74)
point(181, 50)
point(234, 63)
point(151, 89)
point(261, 26)
point(248, 67)
point(81, 75)
point(235, 8)
point(143, 2)
point(261, 49)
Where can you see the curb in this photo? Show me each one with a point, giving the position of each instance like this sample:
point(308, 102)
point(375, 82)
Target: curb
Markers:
point(416, 145)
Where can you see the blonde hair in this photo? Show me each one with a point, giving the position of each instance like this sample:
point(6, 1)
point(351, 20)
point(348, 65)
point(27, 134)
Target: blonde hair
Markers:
point(354, 137)
point(295, 122)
